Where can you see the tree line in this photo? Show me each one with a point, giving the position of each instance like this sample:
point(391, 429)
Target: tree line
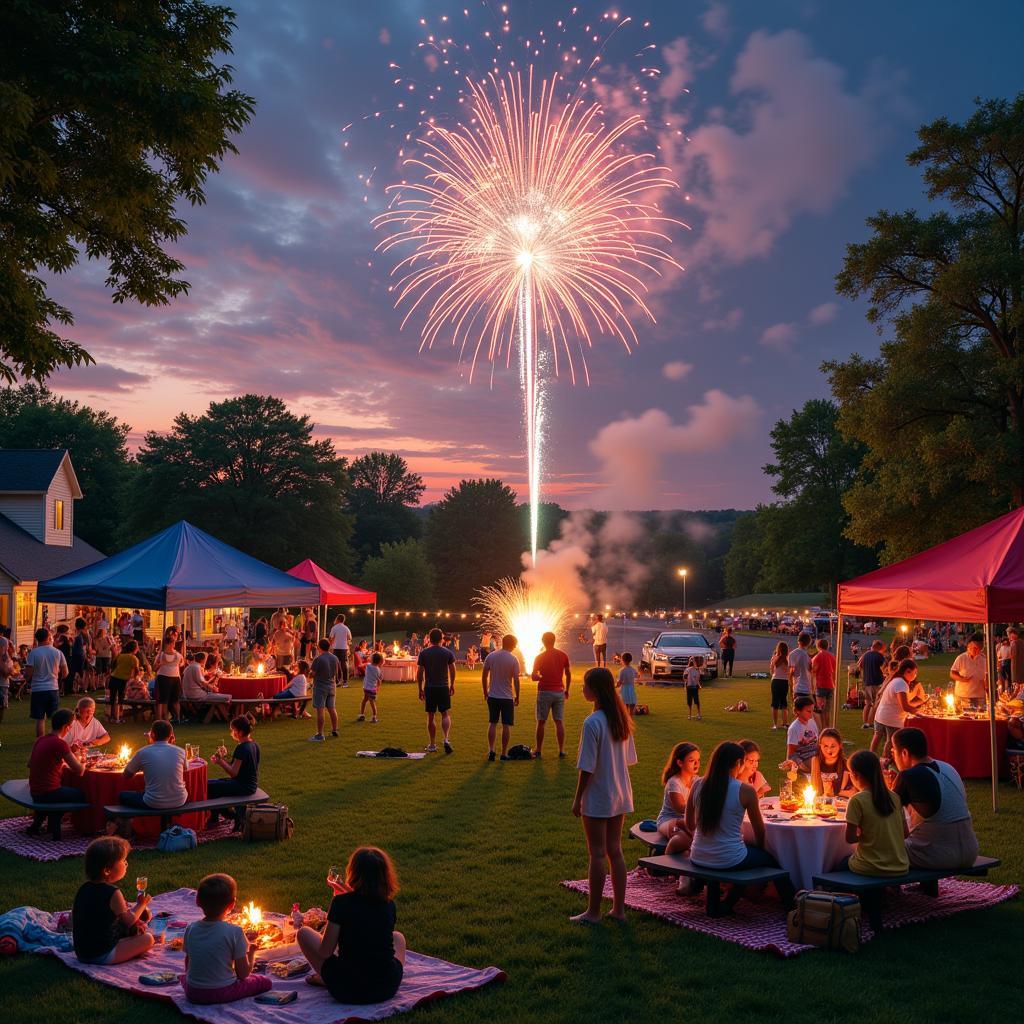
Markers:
point(926, 440)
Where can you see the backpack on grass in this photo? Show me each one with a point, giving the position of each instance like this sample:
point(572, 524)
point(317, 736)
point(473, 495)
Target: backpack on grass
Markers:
point(267, 821)
point(826, 919)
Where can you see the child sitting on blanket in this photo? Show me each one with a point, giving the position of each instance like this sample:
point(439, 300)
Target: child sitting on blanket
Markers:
point(750, 774)
point(371, 686)
point(104, 928)
point(360, 958)
point(218, 957)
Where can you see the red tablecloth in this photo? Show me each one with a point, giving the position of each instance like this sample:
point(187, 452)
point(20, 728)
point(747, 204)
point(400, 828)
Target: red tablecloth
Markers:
point(248, 687)
point(104, 787)
point(964, 743)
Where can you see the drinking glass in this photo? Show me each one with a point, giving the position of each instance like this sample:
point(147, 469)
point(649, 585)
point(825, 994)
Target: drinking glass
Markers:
point(188, 752)
point(195, 751)
point(141, 884)
point(335, 873)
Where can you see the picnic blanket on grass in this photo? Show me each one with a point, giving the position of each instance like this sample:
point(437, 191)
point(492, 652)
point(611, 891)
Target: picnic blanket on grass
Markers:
point(13, 837)
point(762, 925)
point(426, 978)
point(408, 757)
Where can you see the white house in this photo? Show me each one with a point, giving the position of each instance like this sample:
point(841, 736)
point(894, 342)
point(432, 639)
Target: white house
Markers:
point(38, 491)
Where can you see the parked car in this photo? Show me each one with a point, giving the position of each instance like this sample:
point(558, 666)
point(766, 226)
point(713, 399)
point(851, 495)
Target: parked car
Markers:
point(667, 655)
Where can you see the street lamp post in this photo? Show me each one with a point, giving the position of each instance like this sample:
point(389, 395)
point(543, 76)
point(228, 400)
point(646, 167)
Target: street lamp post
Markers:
point(682, 576)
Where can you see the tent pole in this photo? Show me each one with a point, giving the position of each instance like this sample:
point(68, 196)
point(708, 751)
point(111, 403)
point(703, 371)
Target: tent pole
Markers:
point(374, 644)
point(839, 671)
point(990, 660)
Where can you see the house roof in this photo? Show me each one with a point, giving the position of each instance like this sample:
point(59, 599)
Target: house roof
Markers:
point(31, 470)
point(22, 557)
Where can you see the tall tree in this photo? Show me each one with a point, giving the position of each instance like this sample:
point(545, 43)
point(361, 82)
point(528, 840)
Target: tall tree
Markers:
point(474, 536)
point(949, 450)
point(401, 575)
point(31, 416)
point(744, 562)
point(249, 472)
point(382, 495)
point(112, 114)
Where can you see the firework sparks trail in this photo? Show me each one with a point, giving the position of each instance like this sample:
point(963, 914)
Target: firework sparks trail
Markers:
point(532, 220)
point(510, 606)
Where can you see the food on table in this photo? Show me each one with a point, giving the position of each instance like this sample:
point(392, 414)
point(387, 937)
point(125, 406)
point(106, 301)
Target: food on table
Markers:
point(315, 918)
point(177, 944)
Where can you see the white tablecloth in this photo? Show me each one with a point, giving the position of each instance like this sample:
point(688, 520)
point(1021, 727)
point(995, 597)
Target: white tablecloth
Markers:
point(804, 846)
point(399, 670)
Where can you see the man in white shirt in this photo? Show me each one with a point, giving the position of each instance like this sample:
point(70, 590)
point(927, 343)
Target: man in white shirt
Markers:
point(341, 640)
point(800, 667)
point(86, 730)
point(195, 688)
point(599, 638)
point(163, 766)
point(45, 667)
point(501, 691)
point(969, 673)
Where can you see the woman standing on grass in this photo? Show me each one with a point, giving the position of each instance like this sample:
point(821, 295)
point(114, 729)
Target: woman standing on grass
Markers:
point(604, 795)
point(778, 669)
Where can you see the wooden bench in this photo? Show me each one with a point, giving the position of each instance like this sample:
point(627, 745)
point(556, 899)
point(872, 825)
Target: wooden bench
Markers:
point(136, 707)
point(654, 841)
point(119, 812)
point(713, 879)
point(870, 889)
point(17, 791)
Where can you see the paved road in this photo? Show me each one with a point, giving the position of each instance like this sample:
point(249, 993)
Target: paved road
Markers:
point(752, 652)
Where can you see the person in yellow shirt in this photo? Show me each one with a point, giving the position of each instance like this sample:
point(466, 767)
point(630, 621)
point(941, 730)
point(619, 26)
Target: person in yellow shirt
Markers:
point(875, 821)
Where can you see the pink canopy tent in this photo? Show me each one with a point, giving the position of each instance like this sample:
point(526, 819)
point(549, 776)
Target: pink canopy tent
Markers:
point(333, 590)
point(976, 577)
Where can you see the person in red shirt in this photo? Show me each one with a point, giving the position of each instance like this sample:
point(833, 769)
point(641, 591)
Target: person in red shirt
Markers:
point(553, 676)
point(823, 672)
point(49, 755)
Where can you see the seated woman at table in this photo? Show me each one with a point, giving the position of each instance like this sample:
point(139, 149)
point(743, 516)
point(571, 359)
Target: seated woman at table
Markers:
point(197, 690)
point(163, 766)
point(829, 764)
point(715, 811)
point(104, 928)
point(360, 659)
point(46, 764)
point(86, 730)
point(751, 768)
point(874, 822)
point(297, 689)
point(941, 832)
point(243, 769)
point(682, 767)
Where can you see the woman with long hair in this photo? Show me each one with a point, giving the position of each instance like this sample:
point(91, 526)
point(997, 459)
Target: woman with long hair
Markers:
point(875, 822)
point(604, 795)
point(715, 811)
point(829, 764)
point(682, 767)
point(778, 669)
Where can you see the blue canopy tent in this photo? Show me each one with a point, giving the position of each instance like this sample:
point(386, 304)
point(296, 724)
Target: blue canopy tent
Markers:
point(180, 567)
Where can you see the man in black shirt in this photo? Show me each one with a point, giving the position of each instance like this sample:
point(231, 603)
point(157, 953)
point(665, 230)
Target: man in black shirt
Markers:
point(872, 675)
point(435, 677)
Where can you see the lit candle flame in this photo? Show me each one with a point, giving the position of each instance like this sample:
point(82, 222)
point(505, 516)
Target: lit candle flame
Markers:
point(395, 648)
point(124, 753)
point(260, 669)
point(809, 795)
point(253, 914)
point(950, 702)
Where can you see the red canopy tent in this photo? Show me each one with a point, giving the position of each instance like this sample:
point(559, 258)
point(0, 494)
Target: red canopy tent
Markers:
point(333, 590)
point(976, 577)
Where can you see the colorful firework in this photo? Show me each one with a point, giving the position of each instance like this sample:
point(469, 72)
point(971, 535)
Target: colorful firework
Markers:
point(510, 606)
point(533, 220)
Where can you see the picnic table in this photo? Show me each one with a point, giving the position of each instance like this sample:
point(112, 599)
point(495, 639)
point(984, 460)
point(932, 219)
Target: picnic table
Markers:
point(805, 846)
point(103, 785)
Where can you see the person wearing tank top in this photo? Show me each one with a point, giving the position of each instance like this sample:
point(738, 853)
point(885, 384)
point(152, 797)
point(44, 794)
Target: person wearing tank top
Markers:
point(715, 811)
point(941, 831)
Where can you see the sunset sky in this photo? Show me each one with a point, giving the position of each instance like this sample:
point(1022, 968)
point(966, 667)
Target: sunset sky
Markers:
point(786, 125)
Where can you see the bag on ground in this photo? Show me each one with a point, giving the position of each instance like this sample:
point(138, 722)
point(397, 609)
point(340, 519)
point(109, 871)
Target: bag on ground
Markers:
point(825, 919)
point(177, 838)
point(520, 752)
point(267, 821)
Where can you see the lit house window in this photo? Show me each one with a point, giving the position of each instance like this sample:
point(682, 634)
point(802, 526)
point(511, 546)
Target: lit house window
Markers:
point(58, 515)
point(24, 608)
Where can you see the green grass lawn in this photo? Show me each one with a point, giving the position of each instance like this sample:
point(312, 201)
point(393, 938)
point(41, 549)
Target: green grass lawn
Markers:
point(480, 850)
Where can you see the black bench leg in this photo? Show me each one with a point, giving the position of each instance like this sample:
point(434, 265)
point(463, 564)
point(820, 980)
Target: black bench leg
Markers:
point(713, 900)
point(165, 822)
point(873, 903)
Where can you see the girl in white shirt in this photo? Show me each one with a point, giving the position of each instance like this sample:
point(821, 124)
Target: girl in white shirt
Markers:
point(604, 794)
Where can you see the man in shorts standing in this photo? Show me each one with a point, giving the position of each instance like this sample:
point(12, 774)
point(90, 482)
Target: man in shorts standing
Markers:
point(501, 691)
point(553, 676)
point(45, 667)
point(872, 667)
point(800, 667)
point(823, 668)
point(435, 677)
point(599, 638)
point(326, 669)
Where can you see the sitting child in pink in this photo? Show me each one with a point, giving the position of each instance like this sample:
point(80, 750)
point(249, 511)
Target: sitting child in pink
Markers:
point(218, 957)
